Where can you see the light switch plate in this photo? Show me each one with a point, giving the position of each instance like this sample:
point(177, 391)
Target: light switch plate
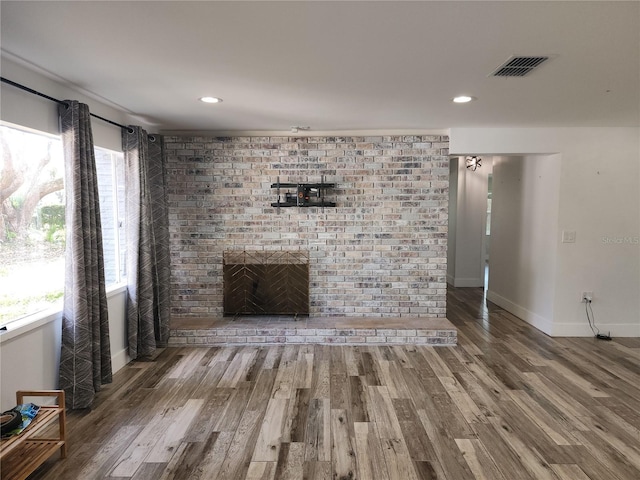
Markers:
point(568, 236)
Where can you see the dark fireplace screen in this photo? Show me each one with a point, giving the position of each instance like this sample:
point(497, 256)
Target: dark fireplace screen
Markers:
point(266, 283)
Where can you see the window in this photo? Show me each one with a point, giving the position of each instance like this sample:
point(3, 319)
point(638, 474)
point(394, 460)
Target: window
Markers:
point(32, 234)
point(32, 220)
point(110, 167)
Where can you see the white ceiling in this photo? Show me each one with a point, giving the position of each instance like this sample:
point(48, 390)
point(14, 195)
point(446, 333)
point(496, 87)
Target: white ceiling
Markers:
point(339, 65)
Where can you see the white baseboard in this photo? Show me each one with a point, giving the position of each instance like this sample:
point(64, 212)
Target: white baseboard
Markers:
point(583, 330)
point(538, 321)
point(467, 282)
point(119, 360)
point(554, 329)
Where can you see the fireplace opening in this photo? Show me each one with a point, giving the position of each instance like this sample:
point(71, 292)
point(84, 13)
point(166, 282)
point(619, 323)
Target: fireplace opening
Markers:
point(266, 283)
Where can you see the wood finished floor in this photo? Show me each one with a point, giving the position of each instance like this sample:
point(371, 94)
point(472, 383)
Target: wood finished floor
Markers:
point(507, 403)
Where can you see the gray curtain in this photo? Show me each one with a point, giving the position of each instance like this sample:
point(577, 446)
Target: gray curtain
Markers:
point(147, 242)
point(85, 360)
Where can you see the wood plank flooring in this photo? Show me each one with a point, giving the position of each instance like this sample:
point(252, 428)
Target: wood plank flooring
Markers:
point(506, 403)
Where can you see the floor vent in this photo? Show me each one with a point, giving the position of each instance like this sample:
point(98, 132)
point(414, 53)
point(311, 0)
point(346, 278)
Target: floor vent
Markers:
point(518, 66)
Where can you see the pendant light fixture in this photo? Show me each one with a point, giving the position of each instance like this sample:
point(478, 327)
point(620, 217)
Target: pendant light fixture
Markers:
point(473, 163)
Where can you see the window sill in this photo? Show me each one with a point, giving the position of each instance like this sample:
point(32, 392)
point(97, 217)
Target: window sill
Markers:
point(32, 322)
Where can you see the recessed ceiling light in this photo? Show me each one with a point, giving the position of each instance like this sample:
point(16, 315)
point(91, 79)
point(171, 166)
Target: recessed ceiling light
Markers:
point(210, 100)
point(463, 99)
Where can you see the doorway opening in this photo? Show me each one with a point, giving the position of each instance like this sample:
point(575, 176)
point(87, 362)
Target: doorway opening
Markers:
point(487, 232)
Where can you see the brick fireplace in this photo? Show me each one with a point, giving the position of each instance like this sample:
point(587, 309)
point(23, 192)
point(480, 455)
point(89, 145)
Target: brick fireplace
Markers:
point(380, 252)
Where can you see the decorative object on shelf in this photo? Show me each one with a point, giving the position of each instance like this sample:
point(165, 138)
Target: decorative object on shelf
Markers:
point(473, 163)
point(305, 194)
point(24, 413)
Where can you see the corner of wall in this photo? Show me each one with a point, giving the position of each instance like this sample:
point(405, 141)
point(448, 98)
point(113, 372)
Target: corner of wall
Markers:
point(544, 324)
point(119, 360)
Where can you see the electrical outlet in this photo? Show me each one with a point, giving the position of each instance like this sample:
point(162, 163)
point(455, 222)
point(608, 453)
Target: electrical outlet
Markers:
point(586, 297)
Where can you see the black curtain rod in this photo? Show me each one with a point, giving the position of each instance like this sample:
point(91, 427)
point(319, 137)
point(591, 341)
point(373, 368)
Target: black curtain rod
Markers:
point(35, 92)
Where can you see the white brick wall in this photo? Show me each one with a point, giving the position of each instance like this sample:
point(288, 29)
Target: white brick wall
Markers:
point(380, 252)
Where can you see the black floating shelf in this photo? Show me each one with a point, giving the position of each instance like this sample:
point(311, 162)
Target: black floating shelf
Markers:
point(303, 205)
point(308, 185)
point(305, 195)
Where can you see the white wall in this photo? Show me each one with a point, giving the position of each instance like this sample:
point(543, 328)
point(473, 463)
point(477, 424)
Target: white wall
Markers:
point(30, 355)
point(599, 199)
point(117, 304)
point(524, 231)
point(453, 220)
point(29, 110)
point(29, 361)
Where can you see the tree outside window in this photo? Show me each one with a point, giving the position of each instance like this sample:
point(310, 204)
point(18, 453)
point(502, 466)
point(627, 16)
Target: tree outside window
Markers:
point(32, 225)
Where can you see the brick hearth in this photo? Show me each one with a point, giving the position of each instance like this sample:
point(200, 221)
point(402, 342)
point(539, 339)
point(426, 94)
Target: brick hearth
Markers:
point(325, 330)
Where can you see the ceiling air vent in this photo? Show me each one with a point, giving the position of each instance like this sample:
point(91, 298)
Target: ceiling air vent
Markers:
point(518, 66)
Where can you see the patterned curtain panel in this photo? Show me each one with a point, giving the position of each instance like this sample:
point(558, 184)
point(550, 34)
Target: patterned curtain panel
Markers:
point(147, 242)
point(85, 361)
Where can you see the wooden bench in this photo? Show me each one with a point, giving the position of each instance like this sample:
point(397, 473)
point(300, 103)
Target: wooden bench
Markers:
point(21, 454)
